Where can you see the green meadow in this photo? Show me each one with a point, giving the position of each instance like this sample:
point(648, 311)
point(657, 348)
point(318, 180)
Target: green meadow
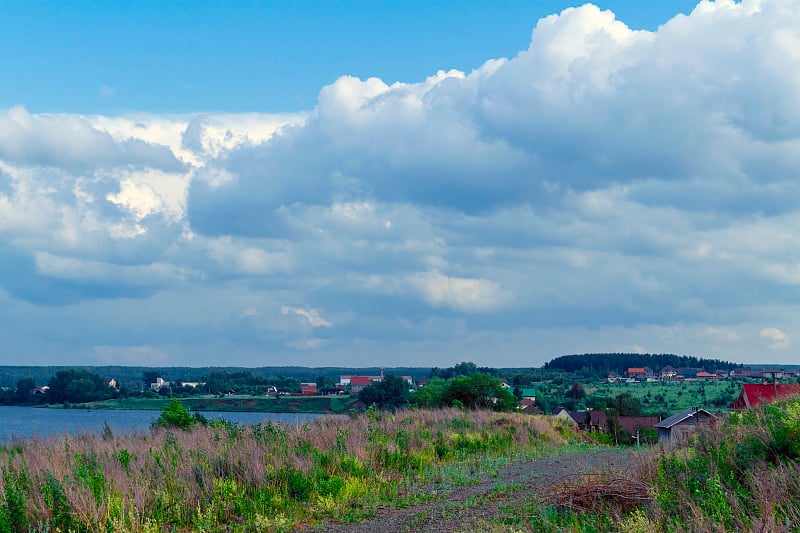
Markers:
point(671, 397)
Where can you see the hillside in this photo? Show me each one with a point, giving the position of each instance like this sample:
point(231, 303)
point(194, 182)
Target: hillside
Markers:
point(603, 363)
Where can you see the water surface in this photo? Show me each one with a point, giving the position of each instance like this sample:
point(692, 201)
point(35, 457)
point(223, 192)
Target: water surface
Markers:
point(41, 422)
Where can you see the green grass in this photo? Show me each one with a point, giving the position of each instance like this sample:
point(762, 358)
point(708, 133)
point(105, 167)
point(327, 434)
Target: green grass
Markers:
point(671, 397)
point(259, 478)
point(259, 404)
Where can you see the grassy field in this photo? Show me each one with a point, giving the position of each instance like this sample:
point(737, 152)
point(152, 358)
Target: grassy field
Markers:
point(258, 404)
point(259, 478)
point(672, 397)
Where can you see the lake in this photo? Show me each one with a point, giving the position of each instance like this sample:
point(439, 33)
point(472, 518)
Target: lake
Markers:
point(38, 422)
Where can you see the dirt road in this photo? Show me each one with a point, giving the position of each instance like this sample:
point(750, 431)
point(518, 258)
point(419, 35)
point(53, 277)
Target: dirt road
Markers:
point(467, 507)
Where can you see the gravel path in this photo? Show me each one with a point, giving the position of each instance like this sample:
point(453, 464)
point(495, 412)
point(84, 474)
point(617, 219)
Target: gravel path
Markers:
point(456, 507)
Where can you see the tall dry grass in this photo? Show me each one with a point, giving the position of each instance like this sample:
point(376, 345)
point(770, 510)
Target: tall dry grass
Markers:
point(741, 475)
point(255, 478)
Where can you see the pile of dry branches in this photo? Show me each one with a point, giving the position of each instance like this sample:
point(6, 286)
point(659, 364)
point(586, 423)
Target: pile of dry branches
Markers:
point(596, 492)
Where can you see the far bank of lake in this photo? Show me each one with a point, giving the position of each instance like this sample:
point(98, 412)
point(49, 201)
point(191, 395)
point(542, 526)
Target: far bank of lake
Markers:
point(234, 403)
point(29, 422)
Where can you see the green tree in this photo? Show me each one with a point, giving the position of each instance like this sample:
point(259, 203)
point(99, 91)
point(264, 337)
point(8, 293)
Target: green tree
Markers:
point(150, 376)
point(77, 386)
point(176, 415)
point(430, 395)
point(479, 391)
point(324, 382)
point(626, 405)
point(389, 393)
point(24, 388)
point(465, 368)
point(576, 392)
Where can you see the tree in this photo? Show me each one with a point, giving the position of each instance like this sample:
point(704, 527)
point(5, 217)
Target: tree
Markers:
point(77, 386)
point(389, 393)
point(324, 382)
point(576, 392)
point(176, 415)
point(465, 368)
point(626, 405)
point(150, 376)
point(430, 395)
point(24, 388)
point(480, 391)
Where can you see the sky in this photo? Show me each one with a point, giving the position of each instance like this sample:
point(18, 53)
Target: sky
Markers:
point(398, 183)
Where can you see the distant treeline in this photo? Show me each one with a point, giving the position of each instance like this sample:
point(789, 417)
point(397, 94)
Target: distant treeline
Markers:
point(599, 363)
point(10, 375)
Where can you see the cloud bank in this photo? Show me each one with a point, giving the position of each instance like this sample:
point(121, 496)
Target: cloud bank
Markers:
point(604, 190)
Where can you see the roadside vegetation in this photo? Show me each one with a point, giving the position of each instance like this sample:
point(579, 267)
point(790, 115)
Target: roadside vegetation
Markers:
point(742, 475)
point(189, 476)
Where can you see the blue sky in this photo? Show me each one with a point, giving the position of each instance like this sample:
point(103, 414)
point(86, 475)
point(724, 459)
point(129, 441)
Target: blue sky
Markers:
point(414, 183)
point(109, 57)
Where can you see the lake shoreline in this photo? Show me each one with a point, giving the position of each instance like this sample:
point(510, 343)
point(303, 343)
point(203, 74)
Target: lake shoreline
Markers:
point(236, 404)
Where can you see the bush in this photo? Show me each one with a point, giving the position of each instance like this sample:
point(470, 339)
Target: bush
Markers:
point(175, 415)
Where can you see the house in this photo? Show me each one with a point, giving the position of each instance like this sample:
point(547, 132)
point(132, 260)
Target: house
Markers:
point(111, 383)
point(687, 372)
point(706, 376)
point(529, 394)
point(358, 383)
point(529, 407)
point(346, 380)
point(159, 384)
point(772, 373)
point(636, 373)
point(668, 373)
point(678, 427)
point(753, 394)
point(308, 389)
point(192, 384)
point(634, 424)
point(565, 415)
point(746, 373)
point(590, 420)
point(40, 391)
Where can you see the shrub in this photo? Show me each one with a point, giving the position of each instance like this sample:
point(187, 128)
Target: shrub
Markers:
point(175, 415)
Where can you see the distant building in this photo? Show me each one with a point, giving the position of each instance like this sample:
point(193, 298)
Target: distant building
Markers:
point(308, 389)
point(356, 383)
point(565, 415)
point(705, 376)
point(529, 407)
point(636, 373)
point(529, 394)
point(634, 424)
point(159, 384)
point(668, 373)
point(677, 428)
point(590, 420)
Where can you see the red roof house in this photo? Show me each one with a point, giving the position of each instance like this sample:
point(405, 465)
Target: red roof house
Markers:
point(632, 424)
point(636, 373)
point(753, 394)
point(308, 389)
point(357, 383)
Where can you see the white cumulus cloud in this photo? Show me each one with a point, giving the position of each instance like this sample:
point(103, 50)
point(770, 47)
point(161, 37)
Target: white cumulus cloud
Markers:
point(776, 338)
point(311, 315)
